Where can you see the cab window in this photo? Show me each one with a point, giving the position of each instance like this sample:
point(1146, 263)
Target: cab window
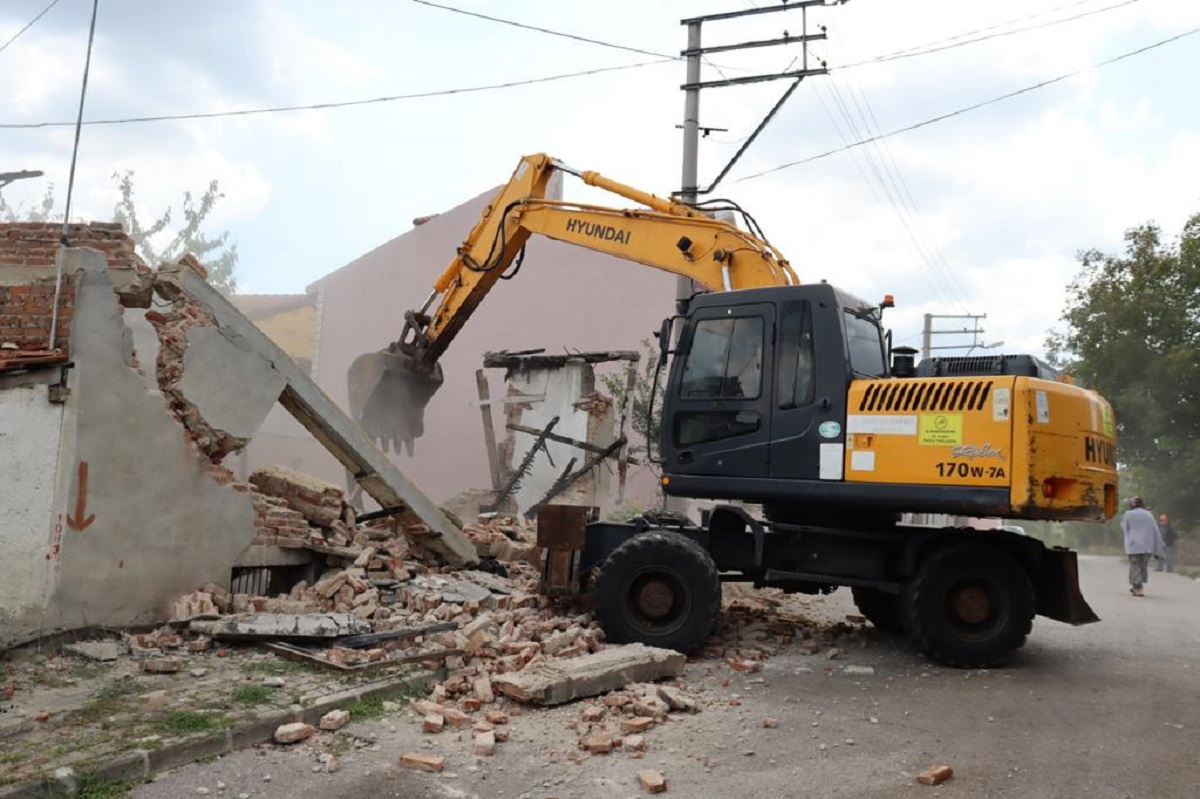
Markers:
point(724, 360)
point(797, 360)
point(866, 346)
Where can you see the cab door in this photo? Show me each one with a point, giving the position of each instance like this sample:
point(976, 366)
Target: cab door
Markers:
point(717, 418)
point(809, 408)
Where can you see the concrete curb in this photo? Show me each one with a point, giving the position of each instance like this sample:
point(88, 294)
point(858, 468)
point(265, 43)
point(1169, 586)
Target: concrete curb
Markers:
point(137, 766)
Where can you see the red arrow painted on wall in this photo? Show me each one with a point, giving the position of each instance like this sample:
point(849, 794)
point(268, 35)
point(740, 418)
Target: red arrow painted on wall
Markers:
point(78, 522)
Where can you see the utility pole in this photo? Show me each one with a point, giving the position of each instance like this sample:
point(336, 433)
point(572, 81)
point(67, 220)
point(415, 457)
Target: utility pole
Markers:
point(974, 330)
point(689, 184)
point(689, 178)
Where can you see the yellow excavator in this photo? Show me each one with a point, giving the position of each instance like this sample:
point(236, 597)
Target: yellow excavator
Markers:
point(792, 398)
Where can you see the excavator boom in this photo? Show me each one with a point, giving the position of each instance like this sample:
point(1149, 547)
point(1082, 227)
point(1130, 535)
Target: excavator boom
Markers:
point(390, 389)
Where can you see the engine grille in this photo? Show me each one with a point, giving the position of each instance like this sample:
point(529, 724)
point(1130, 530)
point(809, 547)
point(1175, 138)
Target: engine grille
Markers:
point(926, 395)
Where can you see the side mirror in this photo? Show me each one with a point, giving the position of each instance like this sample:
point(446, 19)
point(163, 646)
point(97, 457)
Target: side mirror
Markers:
point(664, 339)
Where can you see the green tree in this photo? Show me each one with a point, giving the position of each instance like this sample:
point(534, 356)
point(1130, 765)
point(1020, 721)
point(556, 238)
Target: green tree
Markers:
point(184, 230)
point(644, 419)
point(1131, 330)
point(42, 211)
point(215, 252)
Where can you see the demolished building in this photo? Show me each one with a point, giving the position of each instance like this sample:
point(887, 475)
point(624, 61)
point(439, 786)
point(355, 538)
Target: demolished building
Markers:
point(565, 300)
point(116, 496)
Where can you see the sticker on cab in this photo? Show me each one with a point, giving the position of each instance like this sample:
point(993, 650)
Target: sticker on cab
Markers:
point(1001, 401)
point(830, 429)
point(1043, 407)
point(940, 429)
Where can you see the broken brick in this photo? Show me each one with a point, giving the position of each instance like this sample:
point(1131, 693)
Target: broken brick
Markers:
point(420, 762)
point(456, 718)
point(935, 775)
point(162, 666)
point(637, 724)
point(600, 743)
point(334, 720)
point(652, 781)
point(293, 733)
point(485, 744)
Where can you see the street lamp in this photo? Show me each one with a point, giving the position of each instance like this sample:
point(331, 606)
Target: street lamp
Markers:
point(24, 174)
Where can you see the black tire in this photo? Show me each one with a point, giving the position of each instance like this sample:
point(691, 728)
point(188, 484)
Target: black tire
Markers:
point(660, 589)
point(880, 607)
point(968, 606)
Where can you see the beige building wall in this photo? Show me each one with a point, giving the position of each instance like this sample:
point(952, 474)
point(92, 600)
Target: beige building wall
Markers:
point(564, 298)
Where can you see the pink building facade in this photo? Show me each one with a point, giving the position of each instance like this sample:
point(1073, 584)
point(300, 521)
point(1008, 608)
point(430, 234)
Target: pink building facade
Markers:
point(564, 299)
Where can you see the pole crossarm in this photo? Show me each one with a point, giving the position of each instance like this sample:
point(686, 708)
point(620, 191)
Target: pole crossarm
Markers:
point(785, 39)
point(747, 12)
point(796, 73)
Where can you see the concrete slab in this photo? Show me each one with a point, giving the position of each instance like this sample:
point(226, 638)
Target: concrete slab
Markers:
point(309, 626)
point(233, 388)
point(336, 431)
point(103, 651)
point(554, 682)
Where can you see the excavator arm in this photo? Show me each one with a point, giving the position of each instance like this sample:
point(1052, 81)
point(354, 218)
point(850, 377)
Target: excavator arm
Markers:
point(389, 389)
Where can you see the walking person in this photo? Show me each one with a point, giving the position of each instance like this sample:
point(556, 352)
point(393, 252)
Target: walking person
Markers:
point(1169, 538)
point(1142, 539)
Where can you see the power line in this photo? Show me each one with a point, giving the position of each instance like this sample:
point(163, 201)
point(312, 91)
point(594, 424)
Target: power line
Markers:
point(883, 194)
point(994, 26)
point(931, 48)
point(664, 58)
point(32, 22)
point(564, 34)
point(895, 177)
point(340, 104)
point(548, 31)
point(974, 107)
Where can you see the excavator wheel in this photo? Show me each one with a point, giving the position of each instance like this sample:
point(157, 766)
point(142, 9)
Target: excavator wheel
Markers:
point(968, 606)
point(880, 608)
point(658, 588)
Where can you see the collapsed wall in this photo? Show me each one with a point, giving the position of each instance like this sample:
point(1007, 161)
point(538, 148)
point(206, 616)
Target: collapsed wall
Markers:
point(123, 501)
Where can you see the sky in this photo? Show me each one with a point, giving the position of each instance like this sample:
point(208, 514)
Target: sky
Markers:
point(981, 213)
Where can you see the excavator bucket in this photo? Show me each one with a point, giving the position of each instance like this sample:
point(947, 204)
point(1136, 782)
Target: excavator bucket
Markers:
point(1058, 594)
point(388, 395)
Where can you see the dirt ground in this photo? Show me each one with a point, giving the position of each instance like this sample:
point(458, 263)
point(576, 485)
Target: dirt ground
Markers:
point(1108, 710)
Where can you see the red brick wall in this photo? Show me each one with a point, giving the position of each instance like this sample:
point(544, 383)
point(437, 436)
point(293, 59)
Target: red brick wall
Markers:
point(25, 312)
point(27, 252)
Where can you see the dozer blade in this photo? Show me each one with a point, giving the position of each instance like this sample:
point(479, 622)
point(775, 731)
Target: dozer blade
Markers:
point(388, 395)
point(1058, 594)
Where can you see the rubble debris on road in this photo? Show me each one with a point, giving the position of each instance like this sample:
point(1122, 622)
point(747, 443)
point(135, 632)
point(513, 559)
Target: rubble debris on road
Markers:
point(652, 781)
point(554, 682)
point(420, 762)
point(289, 627)
point(334, 720)
point(293, 733)
point(99, 651)
point(935, 775)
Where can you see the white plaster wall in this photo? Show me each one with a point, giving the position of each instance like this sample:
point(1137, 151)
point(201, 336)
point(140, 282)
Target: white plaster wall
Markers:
point(560, 389)
point(29, 437)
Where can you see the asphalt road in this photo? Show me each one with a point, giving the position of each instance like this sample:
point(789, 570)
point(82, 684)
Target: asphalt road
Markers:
point(1107, 710)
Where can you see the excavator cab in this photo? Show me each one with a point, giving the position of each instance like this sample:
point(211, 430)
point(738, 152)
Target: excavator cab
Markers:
point(756, 397)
